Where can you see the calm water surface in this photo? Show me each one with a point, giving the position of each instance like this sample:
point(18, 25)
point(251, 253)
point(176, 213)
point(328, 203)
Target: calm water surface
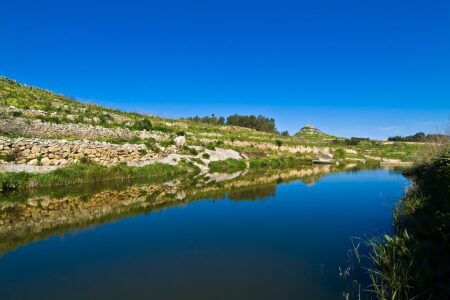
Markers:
point(275, 241)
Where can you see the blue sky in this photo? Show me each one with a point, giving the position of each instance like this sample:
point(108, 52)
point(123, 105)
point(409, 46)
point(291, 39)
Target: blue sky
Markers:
point(352, 68)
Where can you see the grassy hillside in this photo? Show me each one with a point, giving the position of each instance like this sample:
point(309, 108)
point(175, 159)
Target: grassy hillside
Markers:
point(19, 101)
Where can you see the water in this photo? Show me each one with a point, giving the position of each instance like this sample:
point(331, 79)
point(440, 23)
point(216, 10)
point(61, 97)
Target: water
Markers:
point(253, 237)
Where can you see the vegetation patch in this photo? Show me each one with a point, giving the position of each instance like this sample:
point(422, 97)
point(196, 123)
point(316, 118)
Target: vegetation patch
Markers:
point(229, 165)
point(88, 172)
point(414, 263)
point(282, 162)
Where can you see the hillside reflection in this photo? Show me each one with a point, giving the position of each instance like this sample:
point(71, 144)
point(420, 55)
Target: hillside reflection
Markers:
point(37, 215)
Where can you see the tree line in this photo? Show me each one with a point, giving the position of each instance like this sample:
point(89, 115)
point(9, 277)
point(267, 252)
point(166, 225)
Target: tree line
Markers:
point(260, 123)
point(420, 137)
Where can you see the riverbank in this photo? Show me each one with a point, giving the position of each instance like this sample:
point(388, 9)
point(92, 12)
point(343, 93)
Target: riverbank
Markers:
point(414, 263)
point(87, 172)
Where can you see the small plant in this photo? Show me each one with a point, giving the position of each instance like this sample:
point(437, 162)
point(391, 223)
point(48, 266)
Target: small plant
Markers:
point(16, 114)
point(51, 119)
point(11, 156)
point(181, 133)
point(105, 118)
point(151, 145)
point(189, 151)
point(206, 156)
point(162, 129)
point(143, 124)
point(143, 152)
point(279, 143)
point(198, 161)
point(85, 161)
point(210, 146)
point(167, 143)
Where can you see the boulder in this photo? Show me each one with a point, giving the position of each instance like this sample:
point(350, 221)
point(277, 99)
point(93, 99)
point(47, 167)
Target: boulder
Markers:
point(32, 162)
point(180, 141)
point(45, 161)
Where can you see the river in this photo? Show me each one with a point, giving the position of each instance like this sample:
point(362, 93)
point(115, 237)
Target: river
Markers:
point(276, 235)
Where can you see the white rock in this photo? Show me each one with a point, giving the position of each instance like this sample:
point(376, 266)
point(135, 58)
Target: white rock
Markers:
point(32, 162)
point(45, 161)
point(180, 141)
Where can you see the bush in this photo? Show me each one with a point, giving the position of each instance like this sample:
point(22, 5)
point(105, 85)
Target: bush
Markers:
point(151, 145)
point(11, 156)
point(16, 114)
point(167, 143)
point(13, 181)
point(189, 151)
point(210, 146)
point(143, 124)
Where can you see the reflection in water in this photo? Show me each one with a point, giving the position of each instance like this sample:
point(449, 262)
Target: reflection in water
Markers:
point(289, 244)
point(254, 193)
point(44, 213)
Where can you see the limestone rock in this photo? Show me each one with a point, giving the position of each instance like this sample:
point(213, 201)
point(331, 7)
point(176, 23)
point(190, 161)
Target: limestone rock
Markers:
point(180, 141)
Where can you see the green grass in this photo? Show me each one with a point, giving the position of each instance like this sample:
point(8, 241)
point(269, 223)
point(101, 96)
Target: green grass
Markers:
point(58, 108)
point(88, 173)
point(282, 162)
point(227, 166)
point(415, 262)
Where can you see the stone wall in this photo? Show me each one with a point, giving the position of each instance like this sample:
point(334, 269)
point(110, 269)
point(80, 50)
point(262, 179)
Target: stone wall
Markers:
point(63, 152)
point(37, 128)
point(285, 148)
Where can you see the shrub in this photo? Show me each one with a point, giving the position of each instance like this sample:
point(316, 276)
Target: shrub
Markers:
point(189, 151)
point(11, 156)
point(51, 119)
point(167, 143)
point(16, 114)
point(151, 145)
point(143, 124)
point(210, 146)
point(105, 118)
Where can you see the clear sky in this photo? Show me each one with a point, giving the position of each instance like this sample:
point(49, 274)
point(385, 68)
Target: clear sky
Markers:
point(351, 68)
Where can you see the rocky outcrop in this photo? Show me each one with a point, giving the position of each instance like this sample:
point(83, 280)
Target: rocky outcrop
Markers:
point(62, 152)
point(308, 129)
